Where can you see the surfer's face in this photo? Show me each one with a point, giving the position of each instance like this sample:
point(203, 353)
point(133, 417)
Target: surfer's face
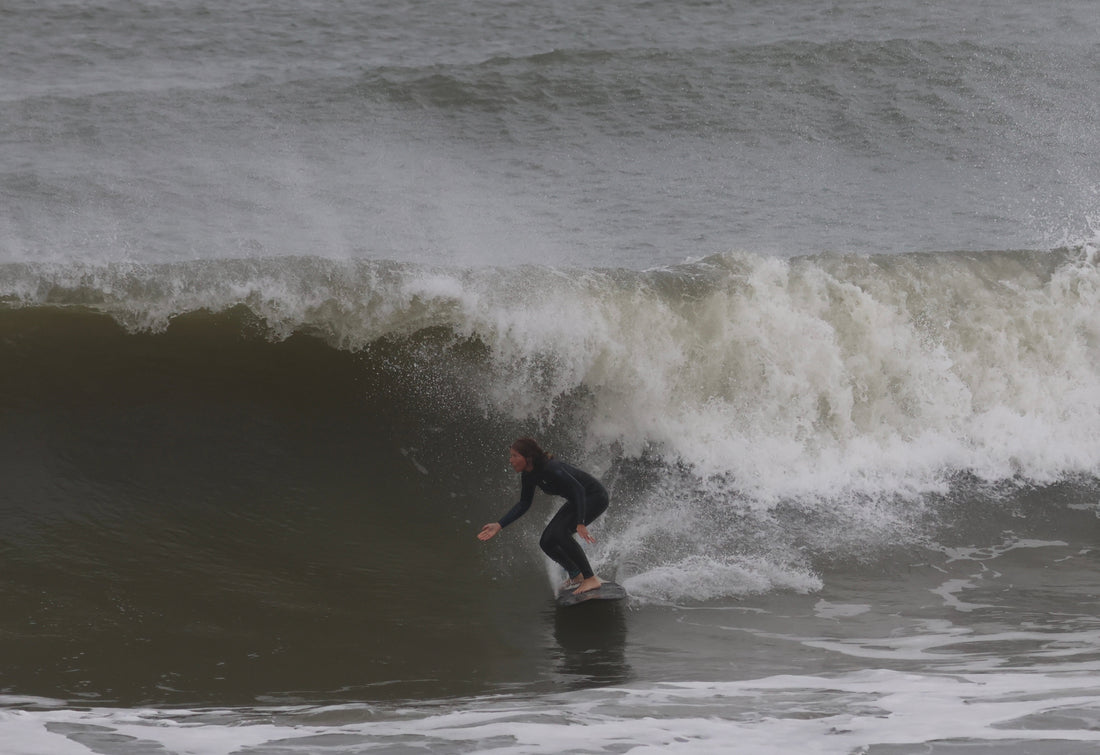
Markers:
point(519, 462)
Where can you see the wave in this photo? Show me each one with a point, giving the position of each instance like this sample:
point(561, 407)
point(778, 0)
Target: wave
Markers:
point(883, 95)
point(923, 87)
point(751, 414)
point(858, 372)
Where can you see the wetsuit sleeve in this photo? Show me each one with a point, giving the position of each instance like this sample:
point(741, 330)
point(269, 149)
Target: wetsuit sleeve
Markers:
point(526, 495)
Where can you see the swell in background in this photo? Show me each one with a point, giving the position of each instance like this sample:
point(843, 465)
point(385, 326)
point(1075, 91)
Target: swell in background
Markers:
point(497, 135)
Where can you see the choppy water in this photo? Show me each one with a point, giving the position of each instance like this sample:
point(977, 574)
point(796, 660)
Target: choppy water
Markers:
point(814, 289)
point(566, 133)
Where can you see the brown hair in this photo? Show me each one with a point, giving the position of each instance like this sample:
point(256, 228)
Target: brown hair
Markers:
point(529, 448)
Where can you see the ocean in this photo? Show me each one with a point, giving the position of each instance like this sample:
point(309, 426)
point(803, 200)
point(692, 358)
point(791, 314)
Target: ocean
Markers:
point(813, 287)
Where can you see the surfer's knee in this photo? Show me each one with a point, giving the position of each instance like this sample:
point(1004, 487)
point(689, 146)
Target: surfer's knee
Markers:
point(550, 541)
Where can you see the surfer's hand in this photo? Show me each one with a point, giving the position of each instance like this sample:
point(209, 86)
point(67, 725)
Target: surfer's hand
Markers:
point(583, 532)
point(488, 530)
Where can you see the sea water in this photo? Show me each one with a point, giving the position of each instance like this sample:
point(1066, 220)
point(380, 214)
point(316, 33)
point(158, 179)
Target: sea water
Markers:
point(812, 287)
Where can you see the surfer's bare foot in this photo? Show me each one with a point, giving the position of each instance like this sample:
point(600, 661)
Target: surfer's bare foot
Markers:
point(571, 582)
point(591, 583)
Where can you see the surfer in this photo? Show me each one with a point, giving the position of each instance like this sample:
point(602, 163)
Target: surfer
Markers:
point(585, 499)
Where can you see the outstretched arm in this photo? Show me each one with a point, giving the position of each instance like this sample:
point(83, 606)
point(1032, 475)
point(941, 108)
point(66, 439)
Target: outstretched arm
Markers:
point(526, 495)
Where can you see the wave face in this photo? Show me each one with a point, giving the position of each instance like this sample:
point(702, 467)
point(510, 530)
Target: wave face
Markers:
point(754, 417)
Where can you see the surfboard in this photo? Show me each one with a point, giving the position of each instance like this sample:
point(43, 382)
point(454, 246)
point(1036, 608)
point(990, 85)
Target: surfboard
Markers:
point(606, 591)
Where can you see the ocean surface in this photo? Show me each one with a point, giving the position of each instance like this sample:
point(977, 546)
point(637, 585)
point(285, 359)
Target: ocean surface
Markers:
point(814, 287)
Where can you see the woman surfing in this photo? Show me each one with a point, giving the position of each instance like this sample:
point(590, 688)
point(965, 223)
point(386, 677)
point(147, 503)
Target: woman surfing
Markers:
point(585, 499)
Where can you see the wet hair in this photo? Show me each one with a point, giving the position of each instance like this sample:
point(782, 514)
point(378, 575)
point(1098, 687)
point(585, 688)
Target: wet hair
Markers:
point(530, 449)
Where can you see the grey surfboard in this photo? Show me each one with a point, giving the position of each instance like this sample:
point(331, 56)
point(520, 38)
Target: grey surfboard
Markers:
point(606, 591)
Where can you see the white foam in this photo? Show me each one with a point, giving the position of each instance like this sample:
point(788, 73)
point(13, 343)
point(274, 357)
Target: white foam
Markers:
point(700, 578)
point(843, 713)
point(950, 591)
point(990, 552)
point(816, 377)
point(827, 610)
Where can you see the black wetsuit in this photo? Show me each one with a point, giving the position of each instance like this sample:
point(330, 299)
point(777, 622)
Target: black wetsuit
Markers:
point(585, 498)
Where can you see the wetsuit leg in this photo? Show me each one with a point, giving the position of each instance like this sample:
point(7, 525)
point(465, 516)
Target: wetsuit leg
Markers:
point(557, 539)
